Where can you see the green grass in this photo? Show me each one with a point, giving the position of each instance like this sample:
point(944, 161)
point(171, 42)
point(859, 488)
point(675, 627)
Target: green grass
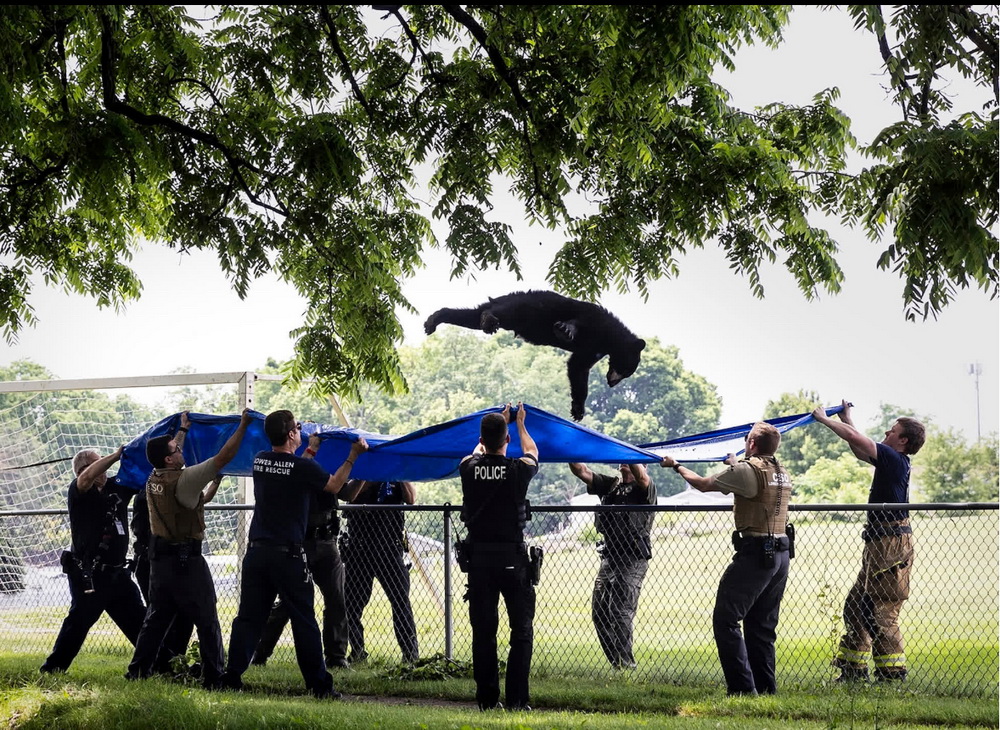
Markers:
point(93, 695)
point(950, 622)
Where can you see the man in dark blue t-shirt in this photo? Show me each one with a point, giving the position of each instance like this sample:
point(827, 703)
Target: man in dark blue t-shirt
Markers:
point(95, 567)
point(494, 488)
point(871, 610)
point(275, 563)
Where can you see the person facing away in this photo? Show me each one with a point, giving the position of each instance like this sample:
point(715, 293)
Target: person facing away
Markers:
point(625, 552)
point(374, 548)
point(327, 570)
point(753, 585)
point(275, 563)
point(180, 581)
point(95, 566)
point(494, 510)
point(873, 604)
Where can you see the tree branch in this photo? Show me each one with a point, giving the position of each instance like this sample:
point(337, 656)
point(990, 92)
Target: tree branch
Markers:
point(986, 44)
point(499, 64)
point(345, 65)
point(113, 104)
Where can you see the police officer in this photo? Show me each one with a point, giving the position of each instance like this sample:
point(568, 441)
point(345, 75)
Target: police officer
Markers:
point(180, 582)
point(275, 563)
point(327, 569)
point(871, 610)
point(375, 547)
point(179, 634)
point(752, 586)
point(95, 567)
point(625, 553)
point(494, 509)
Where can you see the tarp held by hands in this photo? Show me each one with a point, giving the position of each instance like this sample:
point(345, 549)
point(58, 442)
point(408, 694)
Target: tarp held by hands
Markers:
point(433, 452)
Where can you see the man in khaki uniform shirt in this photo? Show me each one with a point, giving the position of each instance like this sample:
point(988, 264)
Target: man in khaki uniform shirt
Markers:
point(753, 585)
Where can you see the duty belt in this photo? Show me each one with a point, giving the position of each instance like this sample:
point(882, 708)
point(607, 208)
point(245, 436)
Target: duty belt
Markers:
point(281, 547)
point(741, 540)
point(163, 546)
point(321, 532)
point(878, 531)
point(498, 554)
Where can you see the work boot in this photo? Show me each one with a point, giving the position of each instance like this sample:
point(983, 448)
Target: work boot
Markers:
point(890, 675)
point(849, 674)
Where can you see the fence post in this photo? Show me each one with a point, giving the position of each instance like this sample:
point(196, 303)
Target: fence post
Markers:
point(447, 582)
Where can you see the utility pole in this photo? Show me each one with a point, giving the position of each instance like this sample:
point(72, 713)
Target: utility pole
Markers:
point(975, 370)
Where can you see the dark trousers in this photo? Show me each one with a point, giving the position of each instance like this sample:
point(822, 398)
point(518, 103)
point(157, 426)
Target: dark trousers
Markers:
point(614, 604)
point(178, 635)
point(486, 585)
point(364, 565)
point(269, 572)
point(327, 571)
point(114, 592)
point(186, 592)
point(749, 593)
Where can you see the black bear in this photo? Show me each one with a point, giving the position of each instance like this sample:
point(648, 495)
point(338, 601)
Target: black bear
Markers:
point(587, 330)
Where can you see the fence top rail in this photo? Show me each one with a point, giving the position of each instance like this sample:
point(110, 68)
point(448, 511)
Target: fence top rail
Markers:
point(553, 508)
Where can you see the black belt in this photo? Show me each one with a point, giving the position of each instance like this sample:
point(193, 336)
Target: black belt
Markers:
point(321, 532)
point(876, 532)
point(741, 541)
point(281, 547)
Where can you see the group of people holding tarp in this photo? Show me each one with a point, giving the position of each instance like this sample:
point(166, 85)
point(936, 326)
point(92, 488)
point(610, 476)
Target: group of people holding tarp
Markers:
point(292, 544)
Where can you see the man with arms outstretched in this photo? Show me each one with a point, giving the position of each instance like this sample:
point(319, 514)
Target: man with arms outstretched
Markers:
point(871, 610)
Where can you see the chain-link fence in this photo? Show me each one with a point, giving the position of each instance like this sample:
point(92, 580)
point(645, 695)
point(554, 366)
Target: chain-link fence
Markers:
point(950, 622)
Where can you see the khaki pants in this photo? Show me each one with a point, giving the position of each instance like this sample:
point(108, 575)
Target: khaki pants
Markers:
point(871, 610)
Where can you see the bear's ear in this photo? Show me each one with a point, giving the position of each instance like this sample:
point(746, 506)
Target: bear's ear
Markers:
point(640, 345)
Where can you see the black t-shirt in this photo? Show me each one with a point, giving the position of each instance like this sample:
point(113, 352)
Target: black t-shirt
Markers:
point(377, 527)
point(625, 533)
point(283, 485)
point(493, 489)
point(98, 519)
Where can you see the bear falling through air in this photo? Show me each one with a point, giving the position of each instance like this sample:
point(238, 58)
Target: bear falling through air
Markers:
point(587, 330)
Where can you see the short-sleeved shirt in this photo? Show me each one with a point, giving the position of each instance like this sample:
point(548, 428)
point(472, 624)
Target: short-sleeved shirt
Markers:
point(98, 520)
point(740, 478)
point(624, 533)
point(494, 488)
point(283, 485)
point(891, 483)
point(382, 527)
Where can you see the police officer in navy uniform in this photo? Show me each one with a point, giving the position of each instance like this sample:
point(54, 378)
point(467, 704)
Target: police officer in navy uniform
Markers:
point(375, 549)
point(98, 578)
point(625, 554)
point(275, 563)
point(494, 509)
point(327, 569)
point(180, 582)
point(753, 585)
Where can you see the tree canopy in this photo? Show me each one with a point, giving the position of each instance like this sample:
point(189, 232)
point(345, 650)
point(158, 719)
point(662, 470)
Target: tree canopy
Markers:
point(299, 139)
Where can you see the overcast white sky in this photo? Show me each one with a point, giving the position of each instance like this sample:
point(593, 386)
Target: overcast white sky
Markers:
point(854, 345)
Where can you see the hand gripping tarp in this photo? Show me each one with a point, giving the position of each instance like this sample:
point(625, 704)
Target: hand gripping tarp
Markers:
point(430, 453)
point(716, 445)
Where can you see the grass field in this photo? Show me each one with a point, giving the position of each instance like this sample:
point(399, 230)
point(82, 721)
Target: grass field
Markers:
point(950, 622)
point(93, 695)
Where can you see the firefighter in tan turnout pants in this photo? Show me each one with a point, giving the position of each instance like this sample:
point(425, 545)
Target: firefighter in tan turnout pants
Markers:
point(871, 611)
point(753, 585)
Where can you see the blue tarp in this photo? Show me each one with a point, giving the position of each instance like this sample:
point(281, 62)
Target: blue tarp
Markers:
point(435, 452)
point(427, 454)
point(716, 445)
